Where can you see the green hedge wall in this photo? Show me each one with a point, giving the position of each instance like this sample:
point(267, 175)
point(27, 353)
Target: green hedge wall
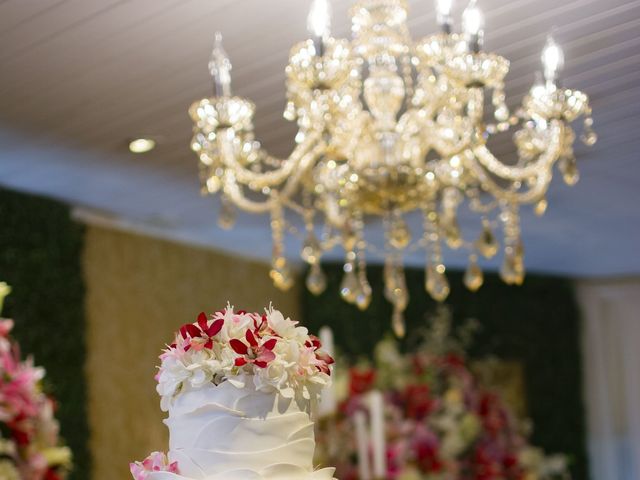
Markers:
point(40, 257)
point(537, 324)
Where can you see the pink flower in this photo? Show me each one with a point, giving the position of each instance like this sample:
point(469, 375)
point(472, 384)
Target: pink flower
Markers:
point(200, 335)
point(253, 352)
point(156, 462)
point(5, 327)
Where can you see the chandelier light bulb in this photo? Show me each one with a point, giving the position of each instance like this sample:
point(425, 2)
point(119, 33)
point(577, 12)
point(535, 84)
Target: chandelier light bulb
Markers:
point(220, 68)
point(473, 25)
point(443, 9)
point(552, 59)
point(319, 22)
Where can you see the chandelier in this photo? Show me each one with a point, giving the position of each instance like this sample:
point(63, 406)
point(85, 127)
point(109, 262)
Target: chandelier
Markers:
point(390, 128)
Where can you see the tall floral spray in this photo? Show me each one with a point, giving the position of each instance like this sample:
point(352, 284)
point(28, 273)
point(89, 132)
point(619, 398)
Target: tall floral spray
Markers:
point(30, 446)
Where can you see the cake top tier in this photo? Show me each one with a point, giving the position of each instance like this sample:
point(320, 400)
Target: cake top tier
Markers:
point(269, 350)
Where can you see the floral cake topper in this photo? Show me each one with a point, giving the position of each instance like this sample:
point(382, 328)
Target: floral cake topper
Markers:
point(269, 351)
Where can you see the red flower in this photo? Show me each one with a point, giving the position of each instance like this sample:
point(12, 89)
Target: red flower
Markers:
point(361, 380)
point(201, 335)
point(419, 402)
point(252, 351)
point(52, 475)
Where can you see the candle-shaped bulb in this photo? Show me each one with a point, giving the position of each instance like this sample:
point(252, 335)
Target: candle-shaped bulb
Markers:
point(538, 89)
point(220, 68)
point(443, 10)
point(319, 19)
point(473, 25)
point(552, 59)
point(319, 24)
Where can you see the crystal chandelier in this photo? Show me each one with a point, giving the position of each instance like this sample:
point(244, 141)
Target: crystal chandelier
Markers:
point(390, 128)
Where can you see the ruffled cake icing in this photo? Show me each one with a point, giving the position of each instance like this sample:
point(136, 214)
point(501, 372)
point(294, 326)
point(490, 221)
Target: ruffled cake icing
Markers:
point(222, 432)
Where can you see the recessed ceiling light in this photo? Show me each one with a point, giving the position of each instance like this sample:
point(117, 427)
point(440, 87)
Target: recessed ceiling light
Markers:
point(142, 145)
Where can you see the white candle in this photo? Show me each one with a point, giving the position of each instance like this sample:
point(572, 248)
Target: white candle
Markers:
point(376, 407)
point(362, 440)
point(328, 401)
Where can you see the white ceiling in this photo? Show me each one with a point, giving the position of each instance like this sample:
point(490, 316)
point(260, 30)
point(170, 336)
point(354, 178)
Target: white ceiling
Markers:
point(80, 77)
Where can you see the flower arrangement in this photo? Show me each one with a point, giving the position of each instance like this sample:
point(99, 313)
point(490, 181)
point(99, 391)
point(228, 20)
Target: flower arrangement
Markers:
point(269, 350)
point(439, 422)
point(29, 434)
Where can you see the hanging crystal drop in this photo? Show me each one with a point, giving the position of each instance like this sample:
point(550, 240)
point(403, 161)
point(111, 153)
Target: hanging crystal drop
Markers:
point(311, 249)
point(589, 137)
point(399, 236)
point(541, 207)
point(436, 283)
point(451, 230)
point(473, 277)
point(512, 270)
point(280, 274)
point(487, 244)
point(398, 324)
point(363, 300)
point(349, 288)
point(227, 215)
point(569, 169)
point(316, 279)
point(395, 288)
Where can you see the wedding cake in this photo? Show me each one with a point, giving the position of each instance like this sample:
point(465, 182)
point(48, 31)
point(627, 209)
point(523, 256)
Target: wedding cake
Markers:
point(238, 388)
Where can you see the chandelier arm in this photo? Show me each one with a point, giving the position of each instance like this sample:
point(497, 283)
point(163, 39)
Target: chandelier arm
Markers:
point(544, 161)
point(267, 179)
point(534, 193)
point(234, 191)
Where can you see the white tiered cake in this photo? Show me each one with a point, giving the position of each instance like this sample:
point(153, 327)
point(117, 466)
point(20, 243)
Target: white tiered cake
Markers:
point(239, 388)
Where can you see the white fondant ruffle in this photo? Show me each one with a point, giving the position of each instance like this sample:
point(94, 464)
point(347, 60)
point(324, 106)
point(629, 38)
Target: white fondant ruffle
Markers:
point(274, 472)
point(228, 433)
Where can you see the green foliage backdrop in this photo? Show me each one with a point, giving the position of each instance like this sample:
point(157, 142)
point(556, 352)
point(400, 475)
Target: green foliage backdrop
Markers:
point(40, 255)
point(537, 324)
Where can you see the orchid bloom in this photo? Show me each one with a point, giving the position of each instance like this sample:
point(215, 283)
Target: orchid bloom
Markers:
point(252, 352)
point(200, 336)
point(323, 359)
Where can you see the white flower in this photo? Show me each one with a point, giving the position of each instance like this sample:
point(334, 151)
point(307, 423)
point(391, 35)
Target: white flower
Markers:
point(285, 327)
point(235, 325)
point(274, 377)
point(8, 471)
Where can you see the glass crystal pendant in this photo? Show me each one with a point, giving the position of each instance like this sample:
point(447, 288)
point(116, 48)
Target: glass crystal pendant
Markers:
point(350, 286)
point(398, 323)
point(311, 249)
point(437, 284)
point(473, 277)
point(316, 279)
point(487, 244)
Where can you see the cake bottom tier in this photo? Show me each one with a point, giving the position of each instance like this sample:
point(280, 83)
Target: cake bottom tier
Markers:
point(274, 472)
